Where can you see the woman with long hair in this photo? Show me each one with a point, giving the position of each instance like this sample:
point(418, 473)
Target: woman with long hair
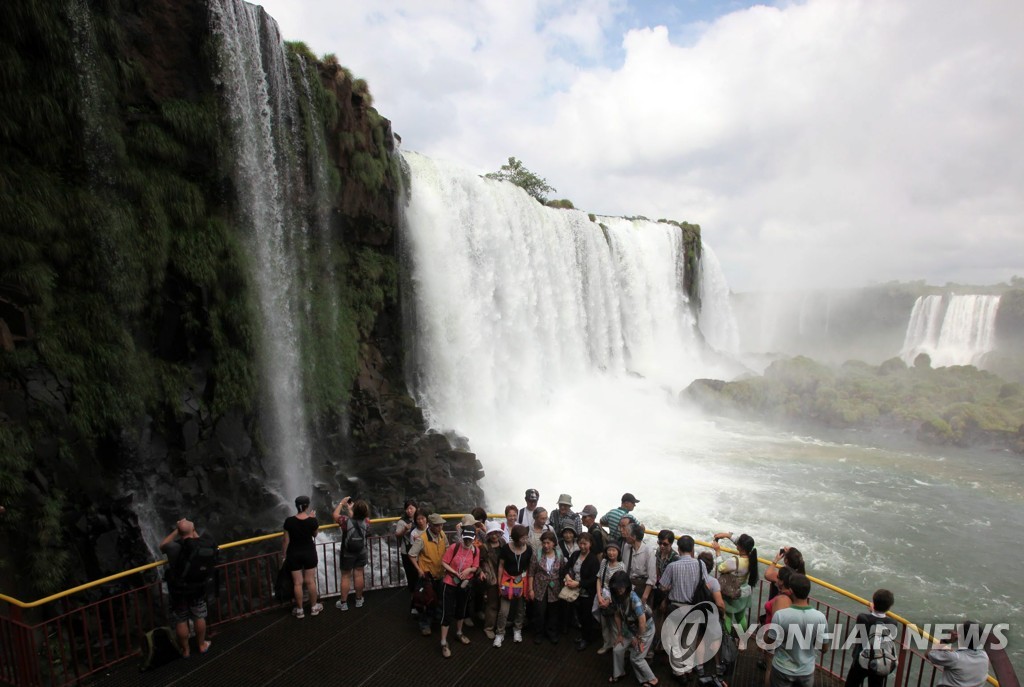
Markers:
point(788, 557)
point(736, 592)
point(405, 526)
point(634, 632)
point(354, 520)
point(580, 572)
point(299, 549)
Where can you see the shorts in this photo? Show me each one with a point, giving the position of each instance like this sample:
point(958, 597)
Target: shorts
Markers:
point(301, 560)
point(351, 561)
point(184, 606)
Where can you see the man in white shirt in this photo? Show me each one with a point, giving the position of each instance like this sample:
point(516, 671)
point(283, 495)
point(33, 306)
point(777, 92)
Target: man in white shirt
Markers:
point(525, 516)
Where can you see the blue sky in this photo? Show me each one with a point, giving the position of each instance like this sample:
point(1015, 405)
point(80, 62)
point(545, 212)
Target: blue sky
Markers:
point(822, 142)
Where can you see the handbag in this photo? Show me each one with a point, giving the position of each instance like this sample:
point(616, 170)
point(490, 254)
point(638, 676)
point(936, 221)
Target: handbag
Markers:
point(731, 584)
point(511, 587)
point(569, 594)
point(423, 596)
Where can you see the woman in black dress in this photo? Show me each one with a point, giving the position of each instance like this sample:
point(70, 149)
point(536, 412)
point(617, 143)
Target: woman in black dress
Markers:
point(299, 549)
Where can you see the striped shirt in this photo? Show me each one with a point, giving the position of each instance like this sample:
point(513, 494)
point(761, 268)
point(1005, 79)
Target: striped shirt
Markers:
point(680, 578)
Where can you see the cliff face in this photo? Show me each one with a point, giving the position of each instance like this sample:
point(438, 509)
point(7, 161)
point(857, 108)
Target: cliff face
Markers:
point(128, 329)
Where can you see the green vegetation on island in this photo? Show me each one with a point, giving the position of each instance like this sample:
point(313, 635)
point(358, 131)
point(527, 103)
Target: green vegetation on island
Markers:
point(958, 405)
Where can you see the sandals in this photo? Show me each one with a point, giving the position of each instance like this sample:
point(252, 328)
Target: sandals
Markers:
point(615, 678)
point(462, 638)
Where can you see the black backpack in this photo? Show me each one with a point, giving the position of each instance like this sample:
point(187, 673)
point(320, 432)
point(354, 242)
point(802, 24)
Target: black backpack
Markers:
point(159, 647)
point(355, 538)
point(195, 565)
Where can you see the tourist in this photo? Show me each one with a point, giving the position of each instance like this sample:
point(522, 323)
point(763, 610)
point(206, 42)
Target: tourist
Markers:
point(803, 630)
point(353, 519)
point(625, 510)
point(564, 516)
point(511, 516)
point(461, 562)
point(300, 558)
point(589, 518)
point(603, 598)
point(638, 559)
point(789, 557)
point(187, 600)
point(634, 632)
point(708, 560)
point(738, 575)
point(868, 625)
point(567, 545)
point(581, 570)
point(665, 555)
point(427, 552)
point(525, 515)
point(412, 574)
point(489, 576)
point(546, 576)
point(681, 577)
point(513, 580)
point(405, 529)
point(540, 526)
point(963, 659)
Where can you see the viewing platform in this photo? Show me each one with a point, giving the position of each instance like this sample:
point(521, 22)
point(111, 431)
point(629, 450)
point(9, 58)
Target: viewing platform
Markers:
point(93, 634)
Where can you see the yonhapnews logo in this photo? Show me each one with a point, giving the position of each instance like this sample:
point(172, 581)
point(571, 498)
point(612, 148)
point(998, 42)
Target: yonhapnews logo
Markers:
point(691, 635)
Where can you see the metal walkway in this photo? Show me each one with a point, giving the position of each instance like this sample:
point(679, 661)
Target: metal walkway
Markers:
point(380, 644)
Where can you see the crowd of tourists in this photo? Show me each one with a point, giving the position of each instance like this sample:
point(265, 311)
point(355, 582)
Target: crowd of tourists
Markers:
point(594, 581)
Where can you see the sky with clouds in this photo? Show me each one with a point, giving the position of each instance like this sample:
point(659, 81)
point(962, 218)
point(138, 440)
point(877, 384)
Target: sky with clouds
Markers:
point(817, 143)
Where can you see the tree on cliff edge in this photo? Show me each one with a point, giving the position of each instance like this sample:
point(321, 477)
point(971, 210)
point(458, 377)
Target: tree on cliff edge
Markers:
point(519, 175)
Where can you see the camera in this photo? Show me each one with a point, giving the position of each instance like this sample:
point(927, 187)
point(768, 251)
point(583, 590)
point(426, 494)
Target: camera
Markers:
point(782, 551)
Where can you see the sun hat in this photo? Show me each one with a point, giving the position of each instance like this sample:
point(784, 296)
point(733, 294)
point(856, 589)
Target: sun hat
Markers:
point(564, 499)
point(468, 521)
point(435, 519)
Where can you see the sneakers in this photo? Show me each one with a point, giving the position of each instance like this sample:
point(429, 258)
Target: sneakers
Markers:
point(413, 612)
point(603, 650)
point(468, 622)
point(462, 638)
point(298, 612)
point(425, 631)
point(315, 610)
point(359, 603)
point(341, 605)
point(517, 636)
point(498, 639)
point(489, 633)
point(445, 651)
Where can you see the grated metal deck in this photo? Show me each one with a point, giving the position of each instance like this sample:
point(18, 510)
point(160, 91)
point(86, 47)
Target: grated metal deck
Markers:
point(380, 644)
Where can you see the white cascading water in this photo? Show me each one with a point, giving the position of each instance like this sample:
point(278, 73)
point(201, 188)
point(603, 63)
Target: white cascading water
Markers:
point(261, 101)
point(717, 321)
point(960, 333)
point(551, 342)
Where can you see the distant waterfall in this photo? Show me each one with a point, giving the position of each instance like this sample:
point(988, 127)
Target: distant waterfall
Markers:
point(717, 321)
point(958, 333)
point(270, 181)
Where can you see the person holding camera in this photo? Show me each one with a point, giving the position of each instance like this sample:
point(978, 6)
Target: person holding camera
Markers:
point(353, 517)
point(738, 576)
point(461, 562)
point(299, 548)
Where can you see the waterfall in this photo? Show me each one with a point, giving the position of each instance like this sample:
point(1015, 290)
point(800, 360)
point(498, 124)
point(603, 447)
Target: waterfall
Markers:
point(269, 173)
point(958, 333)
point(543, 336)
point(717, 321)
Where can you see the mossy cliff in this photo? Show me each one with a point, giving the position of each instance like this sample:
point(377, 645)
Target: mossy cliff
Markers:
point(128, 324)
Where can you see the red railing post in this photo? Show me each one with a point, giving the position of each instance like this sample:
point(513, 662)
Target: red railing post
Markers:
point(901, 662)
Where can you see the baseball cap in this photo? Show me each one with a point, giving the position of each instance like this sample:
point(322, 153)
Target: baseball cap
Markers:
point(589, 509)
point(629, 497)
point(532, 494)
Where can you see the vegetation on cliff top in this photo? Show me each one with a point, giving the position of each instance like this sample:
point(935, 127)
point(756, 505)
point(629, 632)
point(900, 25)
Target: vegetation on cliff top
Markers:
point(516, 172)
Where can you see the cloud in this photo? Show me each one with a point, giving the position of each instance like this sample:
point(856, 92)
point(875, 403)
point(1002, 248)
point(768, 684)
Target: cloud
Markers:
point(822, 142)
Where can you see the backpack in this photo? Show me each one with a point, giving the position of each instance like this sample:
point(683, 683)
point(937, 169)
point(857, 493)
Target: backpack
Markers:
point(355, 538)
point(159, 647)
point(879, 657)
point(194, 567)
point(731, 583)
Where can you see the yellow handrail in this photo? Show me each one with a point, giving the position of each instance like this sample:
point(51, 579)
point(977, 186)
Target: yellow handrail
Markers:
point(274, 535)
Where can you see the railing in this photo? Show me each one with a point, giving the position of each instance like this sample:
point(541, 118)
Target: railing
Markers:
point(68, 642)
